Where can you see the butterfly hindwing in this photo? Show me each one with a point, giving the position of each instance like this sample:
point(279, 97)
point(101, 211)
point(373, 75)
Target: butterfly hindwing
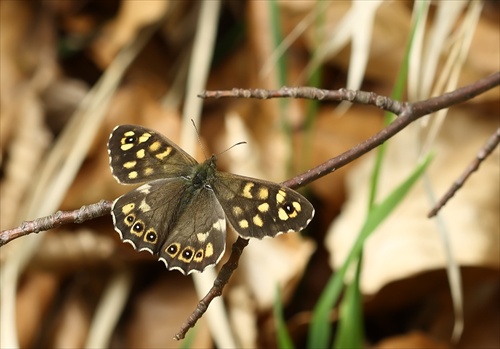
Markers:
point(161, 225)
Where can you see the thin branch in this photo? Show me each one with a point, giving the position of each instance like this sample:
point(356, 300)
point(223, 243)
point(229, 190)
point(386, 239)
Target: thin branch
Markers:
point(81, 215)
point(305, 92)
point(486, 150)
point(222, 279)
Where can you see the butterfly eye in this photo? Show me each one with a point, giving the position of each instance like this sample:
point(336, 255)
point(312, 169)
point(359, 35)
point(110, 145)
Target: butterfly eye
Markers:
point(151, 236)
point(130, 140)
point(172, 249)
point(129, 219)
point(187, 253)
point(198, 257)
point(289, 209)
point(138, 227)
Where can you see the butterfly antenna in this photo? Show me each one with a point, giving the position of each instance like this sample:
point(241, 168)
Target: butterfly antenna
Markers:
point(231, 147)
point(199, 140)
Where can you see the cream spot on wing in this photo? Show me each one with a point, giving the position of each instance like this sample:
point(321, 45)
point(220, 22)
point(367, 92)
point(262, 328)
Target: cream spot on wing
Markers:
point(155, 146)
point(144, 207)
point(282, 214)
point(127, 208)
point(263, 193)
point(243, 224)
point(126, 146)
point(132, 175)
point(148, 171)
point(129, 164)
point(263, 207)
point(280, 196)
point(246, 190)
point(220, 225)
point(209, 250)
point(144, 189)
point(202, 236)
point(237, 211)
point(164, 154)
point(145, 136)
point(297, 206)
point(140, 154)
point(257, 221)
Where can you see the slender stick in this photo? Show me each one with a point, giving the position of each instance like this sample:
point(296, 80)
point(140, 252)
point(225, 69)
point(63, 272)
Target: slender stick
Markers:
point(222, 279)
point(81, 215)
point(486, 150)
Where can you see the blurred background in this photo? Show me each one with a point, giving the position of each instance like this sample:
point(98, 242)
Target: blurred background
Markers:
point(70, 71)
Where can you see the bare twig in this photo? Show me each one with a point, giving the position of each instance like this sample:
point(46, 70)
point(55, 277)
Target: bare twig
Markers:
point(409, 112)
point(305, 92)
point(486, 150)
point(222, 279)
point(81, 215)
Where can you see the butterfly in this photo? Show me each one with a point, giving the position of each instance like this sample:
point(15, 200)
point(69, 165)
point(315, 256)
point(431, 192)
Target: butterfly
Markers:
point(180, 211)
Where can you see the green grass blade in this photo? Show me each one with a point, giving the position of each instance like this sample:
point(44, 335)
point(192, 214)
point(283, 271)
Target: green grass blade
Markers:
point(282, 336)
point(350, 331)
point(319, 333)
point(396, 94)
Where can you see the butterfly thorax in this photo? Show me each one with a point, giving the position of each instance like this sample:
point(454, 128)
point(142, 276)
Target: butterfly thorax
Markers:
point(204, 173)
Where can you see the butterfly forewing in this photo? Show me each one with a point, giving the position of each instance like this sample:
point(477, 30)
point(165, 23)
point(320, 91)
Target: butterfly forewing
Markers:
point(257, 208)
point(138, 155)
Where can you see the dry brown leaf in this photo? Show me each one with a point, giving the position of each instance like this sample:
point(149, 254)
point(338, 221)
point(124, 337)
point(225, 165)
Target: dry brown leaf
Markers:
point(132, 16)
point(158, 312)
point(408, 242)
point(268, 263)
point(390, 34)
point(422, 302)
point(29, 141)
point(481, 287)
point(34, 299)
point(411, 340)
point(265, 265)
point(483, 57)
point(72, 326)
point(16, 19)
point(243, 316)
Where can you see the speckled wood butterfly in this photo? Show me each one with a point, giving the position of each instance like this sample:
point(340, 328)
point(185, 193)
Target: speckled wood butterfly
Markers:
point(180, 213)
